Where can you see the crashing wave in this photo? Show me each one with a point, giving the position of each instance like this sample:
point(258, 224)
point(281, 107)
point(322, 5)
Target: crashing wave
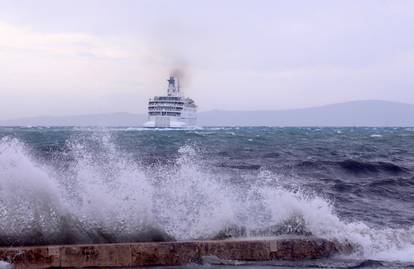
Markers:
point(104, 195)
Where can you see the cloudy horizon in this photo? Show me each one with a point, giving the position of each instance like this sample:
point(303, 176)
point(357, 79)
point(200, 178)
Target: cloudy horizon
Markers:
point(84, 57)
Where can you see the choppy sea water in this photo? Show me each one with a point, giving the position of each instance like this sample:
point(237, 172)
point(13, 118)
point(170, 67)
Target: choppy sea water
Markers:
point(83, 185)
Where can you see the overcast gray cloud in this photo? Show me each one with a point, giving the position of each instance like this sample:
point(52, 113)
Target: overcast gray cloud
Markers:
point(74, 57)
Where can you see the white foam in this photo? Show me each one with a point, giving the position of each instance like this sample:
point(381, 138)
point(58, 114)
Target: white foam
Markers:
point(376, 136)
point(5, 265)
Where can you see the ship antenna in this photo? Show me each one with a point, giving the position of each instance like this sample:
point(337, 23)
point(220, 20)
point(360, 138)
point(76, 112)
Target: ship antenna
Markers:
point(178, 85)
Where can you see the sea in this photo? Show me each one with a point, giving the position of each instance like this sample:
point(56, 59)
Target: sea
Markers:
point(97, 185)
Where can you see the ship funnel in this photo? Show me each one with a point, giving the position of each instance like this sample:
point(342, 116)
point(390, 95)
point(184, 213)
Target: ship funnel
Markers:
point(173, 86)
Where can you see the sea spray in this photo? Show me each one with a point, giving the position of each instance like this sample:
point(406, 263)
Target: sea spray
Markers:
point(104, 194)
point(29, 198)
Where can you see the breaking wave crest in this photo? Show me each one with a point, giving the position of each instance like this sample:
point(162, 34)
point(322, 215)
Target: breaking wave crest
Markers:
point(102, 194)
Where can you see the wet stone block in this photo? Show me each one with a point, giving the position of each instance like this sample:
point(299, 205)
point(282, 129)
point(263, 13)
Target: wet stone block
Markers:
point(173, 253)
point(301, 248)
point(32, 257)
point(237, 250)
point(108, 255)
point(168, 253)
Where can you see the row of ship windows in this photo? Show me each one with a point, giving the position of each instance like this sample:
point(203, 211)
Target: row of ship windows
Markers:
point(165, 108)
point(164, 113)
point(165, 103)
point(166, 98)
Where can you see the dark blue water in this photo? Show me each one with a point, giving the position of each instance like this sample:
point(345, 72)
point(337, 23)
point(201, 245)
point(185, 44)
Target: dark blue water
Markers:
point(70, 185)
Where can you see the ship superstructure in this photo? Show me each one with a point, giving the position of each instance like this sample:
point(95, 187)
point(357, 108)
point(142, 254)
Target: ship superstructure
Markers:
point(172, 110)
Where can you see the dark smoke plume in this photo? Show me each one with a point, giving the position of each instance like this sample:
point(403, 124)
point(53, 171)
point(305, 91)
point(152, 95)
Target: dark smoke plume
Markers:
point(181, 72)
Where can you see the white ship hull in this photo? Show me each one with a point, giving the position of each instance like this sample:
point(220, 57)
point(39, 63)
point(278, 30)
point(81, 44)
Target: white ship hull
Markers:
point(169, 122)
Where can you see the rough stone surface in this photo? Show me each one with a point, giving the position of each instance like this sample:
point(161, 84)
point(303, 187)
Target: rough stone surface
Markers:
point(298, 249)
point(256, 250)
point(32, 257)
point(168, 253)
point(105, 255)
point(171, 253)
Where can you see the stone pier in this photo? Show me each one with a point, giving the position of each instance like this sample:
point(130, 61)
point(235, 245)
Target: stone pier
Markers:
point(167, 253)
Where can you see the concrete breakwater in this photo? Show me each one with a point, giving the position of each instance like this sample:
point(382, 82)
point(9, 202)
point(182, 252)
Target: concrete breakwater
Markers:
point(169, 253)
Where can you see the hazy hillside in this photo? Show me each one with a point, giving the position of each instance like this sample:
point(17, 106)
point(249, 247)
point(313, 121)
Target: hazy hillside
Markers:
point(358, 113)
point(115, 119)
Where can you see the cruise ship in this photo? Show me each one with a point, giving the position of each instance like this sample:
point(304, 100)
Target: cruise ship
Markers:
point(172, 110)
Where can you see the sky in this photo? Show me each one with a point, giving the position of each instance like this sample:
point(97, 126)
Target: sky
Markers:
point(100, 56)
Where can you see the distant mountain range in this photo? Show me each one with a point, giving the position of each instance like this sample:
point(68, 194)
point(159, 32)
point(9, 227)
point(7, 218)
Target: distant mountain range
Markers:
point(356, 113)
